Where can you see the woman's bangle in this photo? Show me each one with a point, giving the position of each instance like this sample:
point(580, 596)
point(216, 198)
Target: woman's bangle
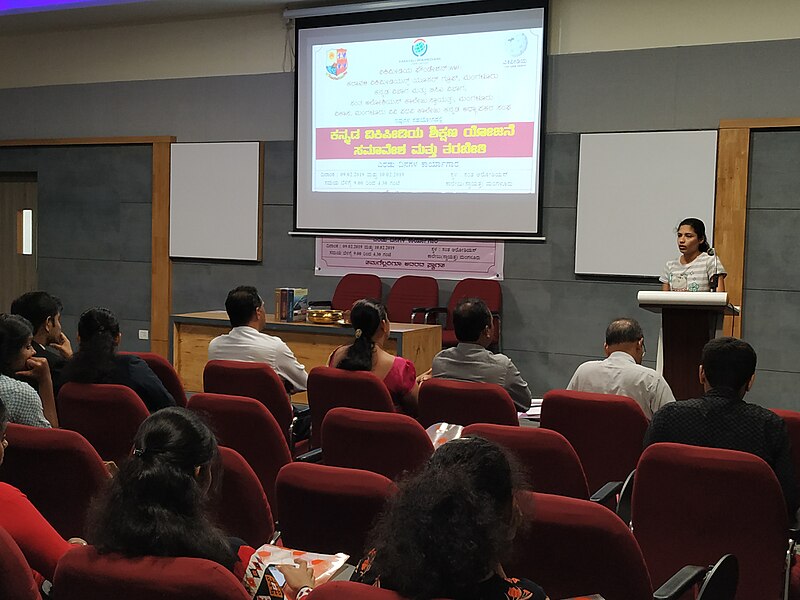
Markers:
point(303, 592)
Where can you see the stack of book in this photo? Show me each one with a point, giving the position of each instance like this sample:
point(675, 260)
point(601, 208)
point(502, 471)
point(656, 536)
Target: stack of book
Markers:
point(291, 304)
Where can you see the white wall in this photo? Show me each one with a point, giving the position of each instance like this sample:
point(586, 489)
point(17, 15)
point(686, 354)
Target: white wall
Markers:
point(255, 43)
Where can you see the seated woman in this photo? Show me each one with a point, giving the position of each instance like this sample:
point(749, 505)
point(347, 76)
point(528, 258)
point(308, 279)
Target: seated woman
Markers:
point(444, 534)
point(366, 353)
point(97, 361)
point(41, 545)
point(24, 405)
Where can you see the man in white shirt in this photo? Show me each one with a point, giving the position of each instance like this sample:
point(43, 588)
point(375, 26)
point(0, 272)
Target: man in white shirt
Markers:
point(622, 373)
point(246, 342)
point(470, 360)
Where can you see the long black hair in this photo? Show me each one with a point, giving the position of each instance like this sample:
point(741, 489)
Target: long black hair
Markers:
point(155, 505)
point(366, 317)
point(700, 229)
point(98, 329)
point(15, 333)
point(449, 525)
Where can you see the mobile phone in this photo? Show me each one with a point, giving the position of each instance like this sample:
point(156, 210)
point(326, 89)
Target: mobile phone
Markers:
point(277, 575)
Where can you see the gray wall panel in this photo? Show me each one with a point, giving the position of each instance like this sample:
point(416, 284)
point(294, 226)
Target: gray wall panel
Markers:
point(774, 170)
point(773, 328)
point(775, 389)
point(773, 243)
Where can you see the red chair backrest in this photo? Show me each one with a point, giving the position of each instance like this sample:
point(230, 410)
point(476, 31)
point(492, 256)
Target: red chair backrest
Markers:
point(410, 292)
point(381, 442)
point(166, 373)
point(107, 415)
point(574, 548)
point(16, 579)
point(59, 472)
point(465, 403)
point(550, 462)
point(691, 505)
point(329, 388)
point(487, 290)
point(246, 426)
point(606, 431)
point(83, 574)
point(349, 590)
point(792, 420)
point(252, 380)
point(354, 287)
point(242, 509)
point(329, 509)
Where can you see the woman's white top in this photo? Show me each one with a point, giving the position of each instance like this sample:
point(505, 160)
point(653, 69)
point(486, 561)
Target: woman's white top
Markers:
point(694, 277)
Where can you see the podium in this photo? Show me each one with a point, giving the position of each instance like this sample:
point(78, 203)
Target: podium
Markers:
point(688, 321)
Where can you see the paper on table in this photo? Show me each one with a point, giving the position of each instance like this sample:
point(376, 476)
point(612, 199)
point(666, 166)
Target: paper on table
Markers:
point(534, 412)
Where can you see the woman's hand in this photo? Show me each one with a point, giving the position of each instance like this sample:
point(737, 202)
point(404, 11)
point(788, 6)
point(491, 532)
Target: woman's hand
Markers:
point(36, 368)
point(424, 376)
point(297, 578)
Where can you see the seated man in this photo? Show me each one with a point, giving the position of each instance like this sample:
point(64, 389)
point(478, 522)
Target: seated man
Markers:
point(622, 372)
point(722, 419)
point(49, 342)
point(471, 361)
point(246, 341)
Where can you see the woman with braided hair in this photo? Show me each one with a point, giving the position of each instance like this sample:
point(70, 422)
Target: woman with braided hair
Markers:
point(371, 329)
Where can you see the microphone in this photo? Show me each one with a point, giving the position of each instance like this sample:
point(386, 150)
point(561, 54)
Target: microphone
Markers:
point(714, 281)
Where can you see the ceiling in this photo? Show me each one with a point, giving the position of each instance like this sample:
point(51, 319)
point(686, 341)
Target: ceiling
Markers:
point(54, 15)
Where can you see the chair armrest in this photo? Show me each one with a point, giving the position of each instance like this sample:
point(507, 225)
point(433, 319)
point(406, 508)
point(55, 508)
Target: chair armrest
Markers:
point(300, 412)
point(312, 456)
point(417, 310)
point(435, 310)
point(625, 498)
point(606, 493)
point(676, 585)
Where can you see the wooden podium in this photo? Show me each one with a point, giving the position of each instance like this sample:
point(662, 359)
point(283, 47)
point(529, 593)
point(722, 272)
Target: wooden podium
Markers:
point(688, 321)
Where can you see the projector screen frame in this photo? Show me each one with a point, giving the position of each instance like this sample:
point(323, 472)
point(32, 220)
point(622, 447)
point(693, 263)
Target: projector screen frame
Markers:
point(405, 13)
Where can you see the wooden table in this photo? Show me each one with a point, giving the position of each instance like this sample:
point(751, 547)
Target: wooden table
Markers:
point(311, 343)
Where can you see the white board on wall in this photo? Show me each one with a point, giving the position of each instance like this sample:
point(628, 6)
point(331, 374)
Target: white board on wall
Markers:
point(215, 201)
point(633, 190)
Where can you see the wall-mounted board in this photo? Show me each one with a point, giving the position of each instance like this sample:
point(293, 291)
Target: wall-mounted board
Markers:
point(633, 190)
point(215, 201)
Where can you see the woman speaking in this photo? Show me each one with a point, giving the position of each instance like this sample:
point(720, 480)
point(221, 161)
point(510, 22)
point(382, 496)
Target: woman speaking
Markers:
point(695, 270)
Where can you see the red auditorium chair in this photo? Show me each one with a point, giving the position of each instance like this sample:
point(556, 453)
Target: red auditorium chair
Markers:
point(606, 431)
point(252, 380)
point(59, 472)
point(16, 578)
point(465, 403)
point(329, 509)
point(573, 548)
point(348, 590)
point(549, 460)
point(83, 574)
point(354, 287)
point(329, 388)
point(487, 290)
point(692, 504)
point(792, 420)
point(166, 373)
point(409, 293)
point(107, 415)
point(242, 509)
point(246, 426)
point(381, 442)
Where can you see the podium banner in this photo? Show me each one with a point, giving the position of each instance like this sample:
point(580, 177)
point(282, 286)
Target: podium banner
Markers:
point(394, 257)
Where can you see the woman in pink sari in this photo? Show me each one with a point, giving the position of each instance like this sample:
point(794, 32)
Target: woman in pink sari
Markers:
point(366, 353)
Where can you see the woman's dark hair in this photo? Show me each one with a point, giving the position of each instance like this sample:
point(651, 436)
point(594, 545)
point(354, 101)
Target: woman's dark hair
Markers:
point(15, 332)
point(3, 415)
point(98, 329)
point(155, 505)
point(700, 229)
point(450, 524)
point(366, 316)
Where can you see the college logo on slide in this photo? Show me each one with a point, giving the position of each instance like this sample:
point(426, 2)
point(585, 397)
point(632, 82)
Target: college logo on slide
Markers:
point(419, 47)
point(337, 63)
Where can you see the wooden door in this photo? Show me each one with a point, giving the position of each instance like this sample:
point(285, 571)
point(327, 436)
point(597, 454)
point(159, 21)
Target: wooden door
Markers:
point(17, 260)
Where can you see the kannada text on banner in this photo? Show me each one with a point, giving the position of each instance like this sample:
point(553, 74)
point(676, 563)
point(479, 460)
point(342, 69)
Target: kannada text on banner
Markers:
point(421, 115)
point(392, 257)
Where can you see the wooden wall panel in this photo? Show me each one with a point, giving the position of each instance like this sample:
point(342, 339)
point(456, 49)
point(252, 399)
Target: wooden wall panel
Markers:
point(161, 286)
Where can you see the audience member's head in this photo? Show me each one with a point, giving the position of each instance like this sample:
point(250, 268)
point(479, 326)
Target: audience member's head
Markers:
point(625, 335)
point(472, 321)
point(245, 307)
point(728, 363)
point(16, 335)
point(44, 312)
point(98, 338)
point(370, 325)
point(449, 526)
point(156, 504)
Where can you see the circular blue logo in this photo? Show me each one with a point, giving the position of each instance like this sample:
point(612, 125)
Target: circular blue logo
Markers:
point(419, 47)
